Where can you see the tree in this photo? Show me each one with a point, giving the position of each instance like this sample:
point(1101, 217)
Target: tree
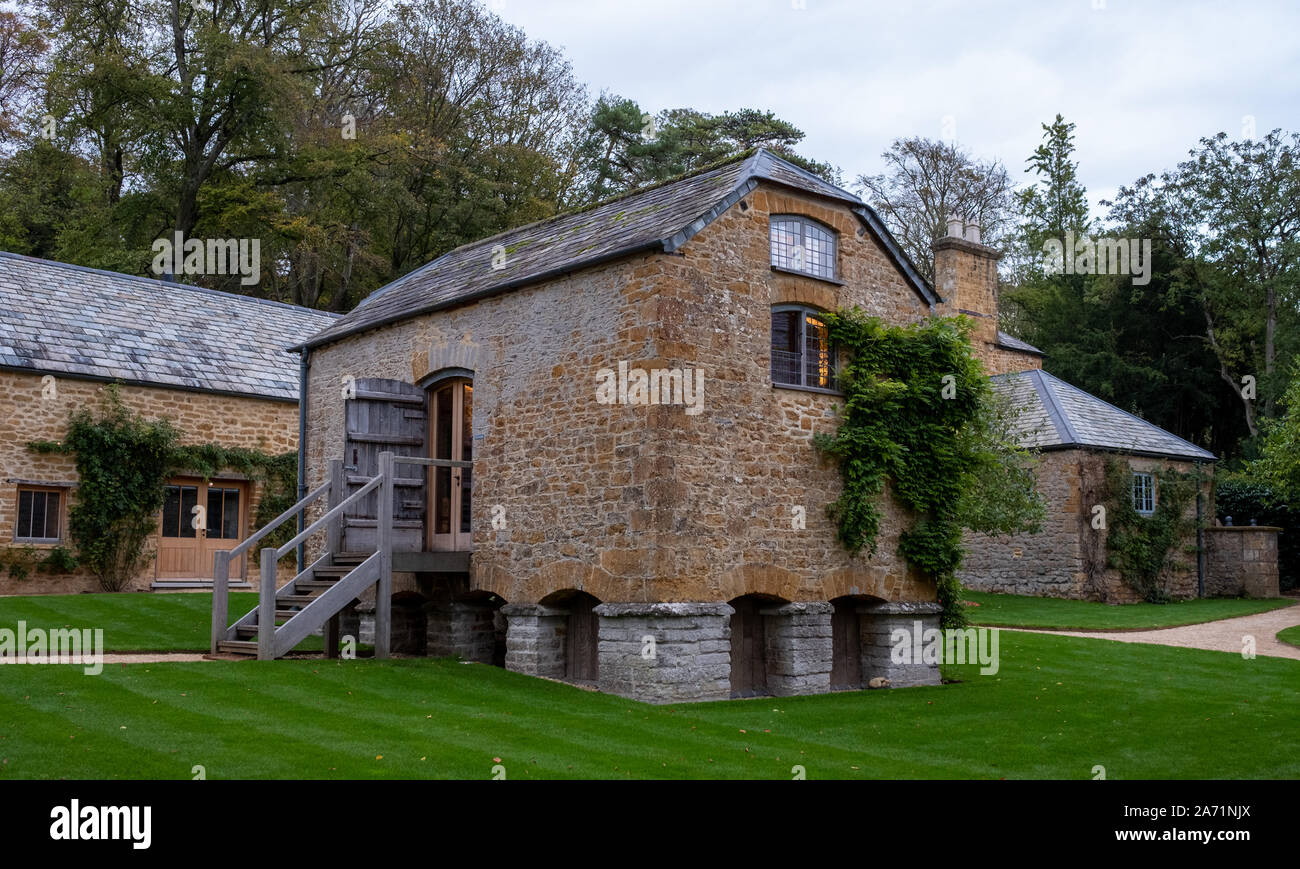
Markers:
point(22, 50)
point(926, 182)
point(1279, 462)
point(1239, 203)
point(625, 148)
point(1058, 203)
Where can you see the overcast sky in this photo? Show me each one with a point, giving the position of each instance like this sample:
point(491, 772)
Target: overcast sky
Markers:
point(1144, 81)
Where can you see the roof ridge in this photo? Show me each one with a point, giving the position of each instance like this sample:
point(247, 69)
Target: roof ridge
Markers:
point(20, 257)
point(1133, 416)
point(1055, 413)
point(402, 297)
point(747, 154)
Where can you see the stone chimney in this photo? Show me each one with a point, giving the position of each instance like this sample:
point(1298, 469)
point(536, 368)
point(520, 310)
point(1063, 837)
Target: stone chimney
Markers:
point(966, 278)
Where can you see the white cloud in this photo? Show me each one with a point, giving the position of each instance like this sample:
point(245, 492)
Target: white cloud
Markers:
point(1143, 81)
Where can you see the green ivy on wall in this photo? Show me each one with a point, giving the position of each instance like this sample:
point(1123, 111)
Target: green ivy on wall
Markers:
point(1143, 548)
point(920, 413)
point(123, 463)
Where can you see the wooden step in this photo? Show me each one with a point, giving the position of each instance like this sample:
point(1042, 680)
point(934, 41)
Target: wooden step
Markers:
point(338, 571)
point(237, 647)
point(308, 585)
point(302, 599)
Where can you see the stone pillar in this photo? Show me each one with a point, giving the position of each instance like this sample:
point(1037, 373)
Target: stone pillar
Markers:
point(665, 652)
point(799, 649)
point(458, 629)
point(535, 639)
point(350, 624)
point(366, 622)
point(407, 628)
point(879, 621)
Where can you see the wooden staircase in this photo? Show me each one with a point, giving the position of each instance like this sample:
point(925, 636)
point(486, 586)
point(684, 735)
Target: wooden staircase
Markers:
point(291, 601)
point(285, 616)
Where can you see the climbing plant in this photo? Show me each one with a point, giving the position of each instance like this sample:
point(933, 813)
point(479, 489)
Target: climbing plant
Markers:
point(123, 462)
point(1145, 548)
point(921, 417)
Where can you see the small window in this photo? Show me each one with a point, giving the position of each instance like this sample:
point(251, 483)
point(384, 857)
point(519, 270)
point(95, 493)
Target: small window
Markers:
point(802, 353)
point(1144, 494)
point(802, 245)
point(38, 515)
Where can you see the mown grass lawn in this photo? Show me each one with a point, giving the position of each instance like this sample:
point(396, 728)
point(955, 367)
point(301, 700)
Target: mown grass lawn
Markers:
point(1011, 610)
point(1290, 635)
point(1058, 707)
point(133, 622)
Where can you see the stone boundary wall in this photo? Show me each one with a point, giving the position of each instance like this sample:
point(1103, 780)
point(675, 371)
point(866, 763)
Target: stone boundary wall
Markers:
point(1241, 560)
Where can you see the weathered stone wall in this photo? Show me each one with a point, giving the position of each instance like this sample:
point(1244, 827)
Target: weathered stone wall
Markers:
point(1000, 360)
point(1241, 561)
point(26, 416)
point(1048, 564)
point(646, 503)
point(1068, 558)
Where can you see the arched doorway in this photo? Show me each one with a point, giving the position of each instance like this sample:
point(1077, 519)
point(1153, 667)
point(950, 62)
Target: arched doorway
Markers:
point(579, 643)
point(749, 660)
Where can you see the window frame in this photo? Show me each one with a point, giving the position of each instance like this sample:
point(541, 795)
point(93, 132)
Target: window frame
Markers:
point(59, 517)
point(805, 311)
point(1148, 489)
point(804, 223)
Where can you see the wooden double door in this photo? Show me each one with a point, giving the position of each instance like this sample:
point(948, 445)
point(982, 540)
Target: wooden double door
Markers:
point(432, 506)
point(199, 518)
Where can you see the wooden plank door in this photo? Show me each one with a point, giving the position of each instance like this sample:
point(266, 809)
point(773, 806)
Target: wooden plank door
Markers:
point(748, 652)
point(451, 411)
point(384, 416)
point(580, 654)
point(846, 646)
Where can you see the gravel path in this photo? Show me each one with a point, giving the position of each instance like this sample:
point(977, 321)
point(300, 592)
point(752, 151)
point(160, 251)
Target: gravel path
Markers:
point(152, 657)
point(1225, 635)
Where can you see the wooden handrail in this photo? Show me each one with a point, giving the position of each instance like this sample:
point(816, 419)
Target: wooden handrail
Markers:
point(437, 463)
point(278, 521)
point(328, 517)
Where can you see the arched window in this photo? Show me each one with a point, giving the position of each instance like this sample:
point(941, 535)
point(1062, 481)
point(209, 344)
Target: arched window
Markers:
point(803, 245)
point(802, 353)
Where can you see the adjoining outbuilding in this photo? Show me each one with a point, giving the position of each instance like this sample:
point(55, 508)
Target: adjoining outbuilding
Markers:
point(214, 363)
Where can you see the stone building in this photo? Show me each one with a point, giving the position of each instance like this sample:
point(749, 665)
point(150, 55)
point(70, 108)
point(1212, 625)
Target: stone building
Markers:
point(637, 386)
point(211, 362)
point(1076, 434)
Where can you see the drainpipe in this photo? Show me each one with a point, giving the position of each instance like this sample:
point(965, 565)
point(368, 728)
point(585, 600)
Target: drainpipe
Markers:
point(302, 444)
point(1200, 538)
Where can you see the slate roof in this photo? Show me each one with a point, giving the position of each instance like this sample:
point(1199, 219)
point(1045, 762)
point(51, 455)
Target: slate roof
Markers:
point(65, 319)
point(1013, 343)
point(1056, 415)
point(663, 218)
